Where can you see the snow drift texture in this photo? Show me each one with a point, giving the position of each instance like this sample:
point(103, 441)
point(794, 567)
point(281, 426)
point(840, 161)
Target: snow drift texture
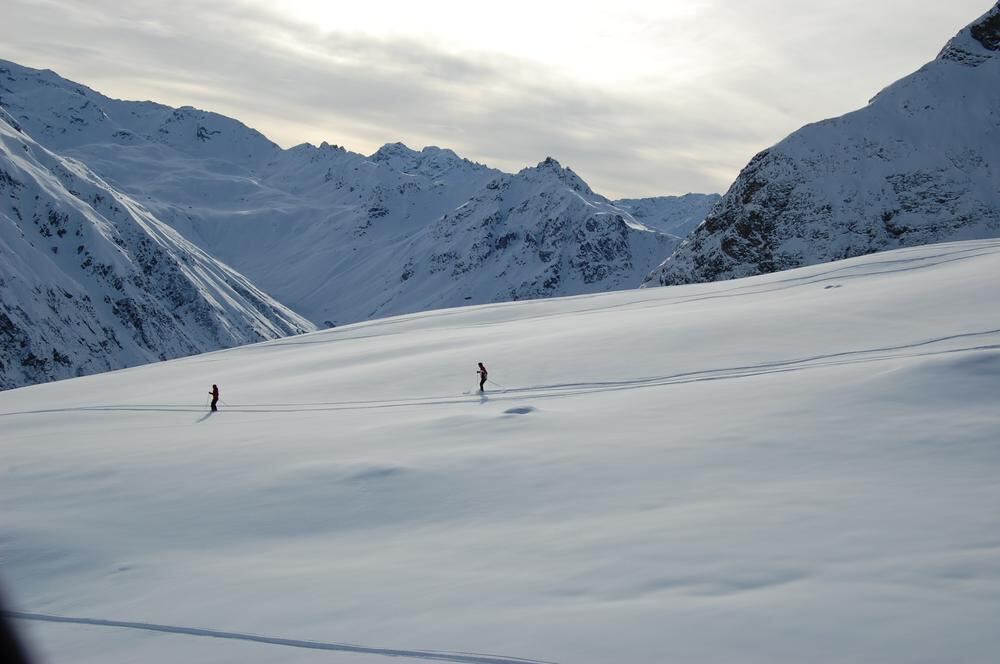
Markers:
point(918, 165)
point(91, 281)
point(792, 468)
point(338, 236)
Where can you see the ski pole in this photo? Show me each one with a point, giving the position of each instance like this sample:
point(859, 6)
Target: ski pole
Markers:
point(490, 380)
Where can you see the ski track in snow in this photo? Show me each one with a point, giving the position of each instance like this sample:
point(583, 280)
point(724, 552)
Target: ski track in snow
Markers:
point(885, 353)
point(434, 655)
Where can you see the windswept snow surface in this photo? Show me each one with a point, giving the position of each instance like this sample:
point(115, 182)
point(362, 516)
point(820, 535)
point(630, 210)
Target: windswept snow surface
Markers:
point(797, 467)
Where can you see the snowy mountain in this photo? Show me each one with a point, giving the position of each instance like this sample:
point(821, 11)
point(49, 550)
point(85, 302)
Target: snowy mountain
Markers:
point(338, 236)
point(62, 115)
point(674, 215)
point(539, 233)
point(920, 164)
point(91, 281)
point(652, 484)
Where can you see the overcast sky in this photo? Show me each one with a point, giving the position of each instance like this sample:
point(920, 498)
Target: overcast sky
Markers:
point(639, 97)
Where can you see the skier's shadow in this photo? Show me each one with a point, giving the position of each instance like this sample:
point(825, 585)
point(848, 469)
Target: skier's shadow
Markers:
point(483, 398)
point(205, 417)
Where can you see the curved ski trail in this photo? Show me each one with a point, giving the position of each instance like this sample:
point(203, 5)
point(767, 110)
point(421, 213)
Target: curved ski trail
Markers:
point(432, 655)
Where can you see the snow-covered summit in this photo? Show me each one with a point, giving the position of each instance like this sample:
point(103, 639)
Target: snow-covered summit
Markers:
point(431, 161)
point(397, 150)
point(917, 165)
point(549, 168)
point(62, 115)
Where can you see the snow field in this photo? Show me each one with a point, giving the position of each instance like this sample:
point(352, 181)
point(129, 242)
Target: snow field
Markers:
point(796, 467)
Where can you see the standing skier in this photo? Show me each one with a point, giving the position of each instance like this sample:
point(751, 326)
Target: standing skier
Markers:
point(215, 397)
point(482, 376)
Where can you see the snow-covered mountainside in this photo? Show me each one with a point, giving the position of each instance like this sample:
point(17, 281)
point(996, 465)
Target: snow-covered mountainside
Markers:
point(798, 467)
point(339, 236)
point(539, 233)
point(62, 115)
point(91, 281)
point(919, 164)
point(676, 215)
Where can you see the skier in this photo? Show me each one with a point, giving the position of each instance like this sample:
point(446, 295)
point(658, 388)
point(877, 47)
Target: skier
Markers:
point(215, 397)
point(482, 376)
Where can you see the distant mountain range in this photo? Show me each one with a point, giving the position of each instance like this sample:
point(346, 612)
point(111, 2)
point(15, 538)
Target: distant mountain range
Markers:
point(919, 164)
point(333, 236)
point(133, 231)
point(341, 237)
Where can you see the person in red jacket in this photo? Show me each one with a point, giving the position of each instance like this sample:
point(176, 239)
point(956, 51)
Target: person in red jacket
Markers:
point(215, 397)
point(482, 376)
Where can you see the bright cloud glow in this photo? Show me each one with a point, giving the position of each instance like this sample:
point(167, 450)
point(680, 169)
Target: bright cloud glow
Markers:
point(612, 43)
point(640, 98)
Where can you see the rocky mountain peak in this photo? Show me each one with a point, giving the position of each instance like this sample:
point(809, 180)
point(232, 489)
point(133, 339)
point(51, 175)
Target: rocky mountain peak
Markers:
point(986, 30)
point(391, 151)
point(430, 162)
point(977, 42)
point(550, 168)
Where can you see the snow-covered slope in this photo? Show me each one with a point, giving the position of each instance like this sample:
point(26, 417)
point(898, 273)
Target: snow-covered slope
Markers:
point(675, 215)
point(91, 281)
point(339, 236)
point(919, 164)
point(63, 115)
point(797, 467)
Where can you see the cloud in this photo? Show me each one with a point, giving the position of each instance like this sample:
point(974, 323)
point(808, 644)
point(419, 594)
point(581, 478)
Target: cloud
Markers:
point(729, 93)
